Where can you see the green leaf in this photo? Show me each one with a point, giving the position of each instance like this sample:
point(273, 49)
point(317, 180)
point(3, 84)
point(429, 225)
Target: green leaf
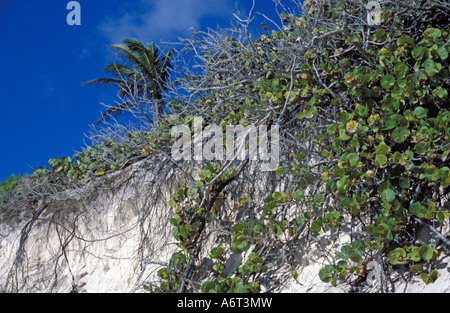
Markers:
point(381, 160)
point(191, 191)
point(184, 231)
point(333, 129)
point(431, 33)
point(216, 253)
point(418, 52)
point(238, 227)
point(356, 258)
point(382, 231)
point(404, 182)
point(387, 81)
point(388, 195)
point(318, 198)
point(414, 254)
point(353, 159)
point(389, 123)
point(426, 252)
point(431, 68)
point(242, 245)
point(395, 256)
point(208, 286)
point(420, 112)
point(298, 195)
point(400, 134)
point(175, 220)
point(342, 264)
point(345, 252)
point(299, 221)
point(418, 209)
point(205, 174)
point(380, 35)
point(440, 93)
point(442, 52)
point(422, 147)
point(99, 172)
point(316, 226)
point(279, 171)
point(383, 148)
point(255, 257)
point(429, 278)
point(431, 174)
point(326, 274)
point(351, 126)
point(405, 40)
point(400, 69)
point(342, 184)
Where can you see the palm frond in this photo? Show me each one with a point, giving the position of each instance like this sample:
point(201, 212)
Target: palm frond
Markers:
point(120, 70)
point(114, 111)
point(146, 73)
point(125, 53)
point(104, 82)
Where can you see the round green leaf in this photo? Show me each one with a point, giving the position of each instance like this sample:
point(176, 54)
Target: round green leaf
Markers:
point(318, 198)
point(99, 172)
point(388, 195)
point(191, 191)
point(353, 159)
point(422, 147)
point(380, 35)
point(418, 209)
point(326, 274)
point(381, 160)
point(400, 134)
point(418, 52)
point(351, 126)
point(356, 258)
point(298, 195)
point(381, 231)
point(440, 92)
point(431, 68)
point(442, 52)
point(420, 112)
point(405, 40)
point(383, 149)
point(432, 33)
point(316, 226)
point(205, 174)
point(345, 252)
point(342, 184)
point(389, 124)
point(172, 203)
point(342, 264)
point(395, 256)
point(426, 252)
point(387, 81)
point(414, 254)
point(400, 68)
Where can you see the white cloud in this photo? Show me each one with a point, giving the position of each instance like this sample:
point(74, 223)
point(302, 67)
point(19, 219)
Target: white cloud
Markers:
point(164, 20)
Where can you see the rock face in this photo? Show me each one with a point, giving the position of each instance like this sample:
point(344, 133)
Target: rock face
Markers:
point(93, 239)
point(112, 235)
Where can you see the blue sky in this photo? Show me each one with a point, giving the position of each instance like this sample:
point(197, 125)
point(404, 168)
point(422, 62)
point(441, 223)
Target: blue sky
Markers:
point(45, 112)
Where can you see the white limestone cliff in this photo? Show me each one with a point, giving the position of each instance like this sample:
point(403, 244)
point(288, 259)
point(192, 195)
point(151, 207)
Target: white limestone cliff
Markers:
point(113, 234)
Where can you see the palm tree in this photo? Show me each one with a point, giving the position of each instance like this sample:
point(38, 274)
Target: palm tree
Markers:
point(146, 77)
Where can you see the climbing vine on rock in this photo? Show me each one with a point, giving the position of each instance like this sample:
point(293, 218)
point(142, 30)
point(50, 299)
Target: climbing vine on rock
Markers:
point(363, 114)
